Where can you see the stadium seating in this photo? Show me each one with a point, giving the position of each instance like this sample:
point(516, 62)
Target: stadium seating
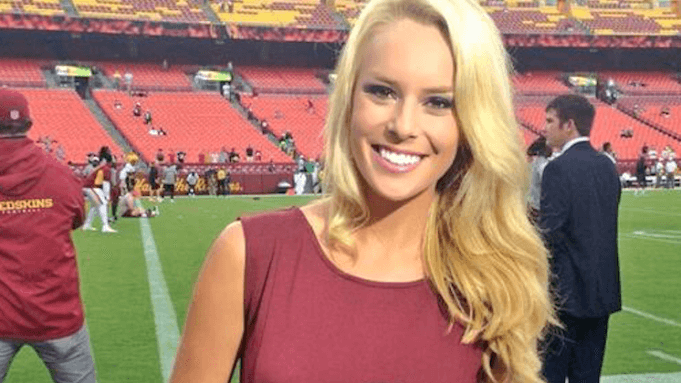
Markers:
point(292, 13)
point(148, 76)
point(187, 11)
point(650, 109)
point(42, 7)
point(617, 21)
point(18, 72)
point(607, 127)
point(290, 113)
point(536, 20)
point(350, 9)
point(644, 82)
point(62, 115)
point(543, 82)
point(282, 80)
point(195, 123)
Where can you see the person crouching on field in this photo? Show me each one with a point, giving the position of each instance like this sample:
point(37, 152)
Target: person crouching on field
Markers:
point(129, 209)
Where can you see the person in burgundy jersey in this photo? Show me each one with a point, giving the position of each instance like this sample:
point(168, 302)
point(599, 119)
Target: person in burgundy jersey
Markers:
point(40, 203)
point(97, 189)
point(420, 264)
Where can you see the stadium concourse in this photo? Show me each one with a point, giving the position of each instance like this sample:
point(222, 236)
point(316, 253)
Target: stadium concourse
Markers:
point(222, 79)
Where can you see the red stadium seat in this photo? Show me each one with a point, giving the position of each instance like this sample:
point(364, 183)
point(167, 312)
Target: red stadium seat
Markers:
point(21, 72)
point(195, 123)
point(62, 115)
point(290, 113)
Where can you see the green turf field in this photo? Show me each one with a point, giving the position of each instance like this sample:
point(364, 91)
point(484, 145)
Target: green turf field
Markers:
point(644, 338)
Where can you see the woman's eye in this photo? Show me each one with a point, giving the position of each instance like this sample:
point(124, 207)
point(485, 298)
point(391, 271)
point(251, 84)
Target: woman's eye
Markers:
point(440, 103)
point(379, 91)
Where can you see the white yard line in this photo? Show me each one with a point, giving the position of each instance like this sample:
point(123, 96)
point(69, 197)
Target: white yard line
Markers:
point(652, 317)
point(665, 356)
point(650, 238)
point(639, 210)
point(167, 331)
point(674, 377)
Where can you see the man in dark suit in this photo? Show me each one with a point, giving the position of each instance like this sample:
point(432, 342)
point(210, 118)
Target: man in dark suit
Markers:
point(580, 198)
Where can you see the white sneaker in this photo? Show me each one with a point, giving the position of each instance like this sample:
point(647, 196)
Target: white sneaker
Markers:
point(108, 230)
point(88, 228)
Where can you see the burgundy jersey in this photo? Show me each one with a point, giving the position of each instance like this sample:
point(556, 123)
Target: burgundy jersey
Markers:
point(41, 201)
point(97, 177)
point(308, 321)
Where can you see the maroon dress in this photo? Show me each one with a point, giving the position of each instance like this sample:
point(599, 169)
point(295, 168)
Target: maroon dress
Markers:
point(308, 321)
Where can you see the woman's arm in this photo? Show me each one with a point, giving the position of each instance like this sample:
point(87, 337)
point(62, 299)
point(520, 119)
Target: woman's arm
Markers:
point(215, 322)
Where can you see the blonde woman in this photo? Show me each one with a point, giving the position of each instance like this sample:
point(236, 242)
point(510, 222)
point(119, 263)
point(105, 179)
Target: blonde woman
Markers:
point(420, 264)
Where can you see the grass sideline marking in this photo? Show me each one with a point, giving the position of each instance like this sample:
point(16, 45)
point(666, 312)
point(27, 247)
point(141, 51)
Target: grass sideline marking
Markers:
point(670, 377)
point(664, 356)
point(652, 317)
point(650, 238)
point(165, 318)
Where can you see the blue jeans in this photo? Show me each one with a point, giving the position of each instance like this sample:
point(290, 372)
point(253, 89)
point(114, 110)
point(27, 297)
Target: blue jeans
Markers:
point(68, 359)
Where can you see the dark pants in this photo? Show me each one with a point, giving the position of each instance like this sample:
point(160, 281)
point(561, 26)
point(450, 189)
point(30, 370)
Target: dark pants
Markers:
point(577, 352)
point(169, 189)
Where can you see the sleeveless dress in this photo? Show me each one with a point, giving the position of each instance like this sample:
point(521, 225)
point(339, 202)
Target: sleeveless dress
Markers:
point(308, 321)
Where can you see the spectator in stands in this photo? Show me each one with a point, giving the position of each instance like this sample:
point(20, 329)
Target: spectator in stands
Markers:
point(128, 80)
point(165, 66)
point(137, 110)
point(171, 156)
point(230, 6)
point(224, 156)
point(181, 155)
point(665, 111)
point(234, 155)
point(270, 167)
point(153, 131)
point(41, 202)
point(310, 106)
point(202, 157)
point(249, 154)
point(160, 156)
point(258, 156)
point(607, 150)
point(60, 154)
point(447, 241)
point(627, 133)
point(227, 90)
point(118, 104)
point(264, 126)
point(117, 79)
point(249, 114)
point(147, 117)
point(670, 171)
point(641, 170)
point(162, 132)
point(214, 158)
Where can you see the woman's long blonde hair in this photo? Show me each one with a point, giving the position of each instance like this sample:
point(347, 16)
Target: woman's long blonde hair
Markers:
point(482, 254)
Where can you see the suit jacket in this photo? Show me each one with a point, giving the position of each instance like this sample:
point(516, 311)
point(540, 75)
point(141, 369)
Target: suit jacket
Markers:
point(579, 205)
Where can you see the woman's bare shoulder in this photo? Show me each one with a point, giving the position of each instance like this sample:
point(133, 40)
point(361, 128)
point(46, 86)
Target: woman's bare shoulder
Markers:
point(316, 213)
point(231, 243)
